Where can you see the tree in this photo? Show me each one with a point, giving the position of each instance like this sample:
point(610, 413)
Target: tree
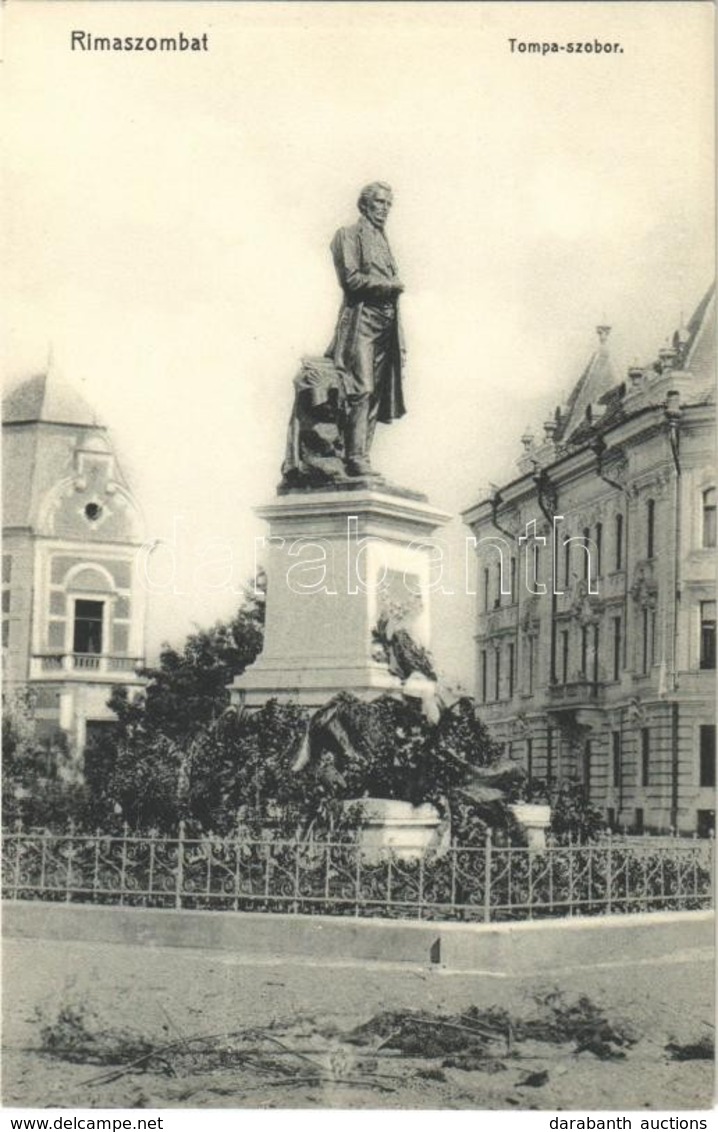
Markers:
point(135, 766)
point(189, 688)
point(40, 781)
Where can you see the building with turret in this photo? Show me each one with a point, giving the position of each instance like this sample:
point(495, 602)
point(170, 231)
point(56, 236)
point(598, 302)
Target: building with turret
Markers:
point(596, 620)
point(73, 608)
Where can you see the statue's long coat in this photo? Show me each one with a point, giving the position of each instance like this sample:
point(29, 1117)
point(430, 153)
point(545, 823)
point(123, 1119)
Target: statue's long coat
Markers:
point(364, 265)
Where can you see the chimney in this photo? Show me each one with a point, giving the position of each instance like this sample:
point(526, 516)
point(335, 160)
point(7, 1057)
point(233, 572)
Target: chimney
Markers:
point(666, 357)
point(549, 429)
point(635, 376)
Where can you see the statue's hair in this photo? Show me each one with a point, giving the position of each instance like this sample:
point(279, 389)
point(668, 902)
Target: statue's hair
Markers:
point(368, 192)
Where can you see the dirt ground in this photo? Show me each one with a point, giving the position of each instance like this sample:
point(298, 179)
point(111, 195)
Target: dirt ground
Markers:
point(167, 994)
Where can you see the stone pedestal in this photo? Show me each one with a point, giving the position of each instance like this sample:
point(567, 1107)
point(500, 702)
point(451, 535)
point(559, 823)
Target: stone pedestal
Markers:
point(397, 829)
point(535, 819)
point(335, 560)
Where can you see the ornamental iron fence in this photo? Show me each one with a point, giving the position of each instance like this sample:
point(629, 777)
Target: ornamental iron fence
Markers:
point(487, 884)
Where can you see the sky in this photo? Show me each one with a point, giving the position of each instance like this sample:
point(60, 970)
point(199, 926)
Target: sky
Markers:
point(168, 219)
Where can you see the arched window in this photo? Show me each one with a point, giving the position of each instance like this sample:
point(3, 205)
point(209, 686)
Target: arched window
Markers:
point(709, 517)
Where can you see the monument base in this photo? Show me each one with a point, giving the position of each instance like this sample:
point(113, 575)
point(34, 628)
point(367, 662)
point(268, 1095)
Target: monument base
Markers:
point(535, 819)
point(397, 829)
point(336, 561)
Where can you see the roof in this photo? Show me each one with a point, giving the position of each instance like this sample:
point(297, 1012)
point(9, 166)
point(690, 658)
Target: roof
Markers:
point(700, 345)
point(52, 437)
point(596, 380)
point(47, 399)
point(694, 355)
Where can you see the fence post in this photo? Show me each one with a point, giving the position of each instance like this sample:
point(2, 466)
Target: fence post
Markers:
point(123, 863)
point(43, 858)
point(357, 880)
point(487, 877)
point(297, 880)
point(70, 851)
point(16, 871)
point(96, 867)
point(179, 878)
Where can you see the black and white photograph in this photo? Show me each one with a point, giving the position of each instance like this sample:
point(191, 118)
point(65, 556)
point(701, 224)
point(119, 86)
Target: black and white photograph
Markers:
point(358, 567)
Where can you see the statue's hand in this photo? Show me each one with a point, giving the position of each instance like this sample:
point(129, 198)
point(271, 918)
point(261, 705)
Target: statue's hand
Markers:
point(391, 290)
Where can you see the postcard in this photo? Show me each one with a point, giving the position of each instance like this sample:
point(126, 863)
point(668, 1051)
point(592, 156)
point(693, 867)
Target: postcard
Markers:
point(359, 527)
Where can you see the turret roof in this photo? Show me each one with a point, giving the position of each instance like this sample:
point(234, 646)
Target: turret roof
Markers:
point(45, 398)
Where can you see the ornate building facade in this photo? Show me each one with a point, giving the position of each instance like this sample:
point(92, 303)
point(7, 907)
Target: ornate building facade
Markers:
point(73, 608)
point(596, 588)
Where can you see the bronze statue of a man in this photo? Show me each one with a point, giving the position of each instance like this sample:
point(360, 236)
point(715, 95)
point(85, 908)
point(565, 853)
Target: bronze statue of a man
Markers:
point(367, 348)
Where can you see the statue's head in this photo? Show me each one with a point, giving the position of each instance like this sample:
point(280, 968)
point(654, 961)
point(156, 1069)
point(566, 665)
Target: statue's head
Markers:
point(375, 201)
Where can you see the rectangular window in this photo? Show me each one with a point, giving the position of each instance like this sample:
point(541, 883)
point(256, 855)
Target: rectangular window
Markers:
point(708, 634)
point(705, 823)
point(529, 760)
point(87, 636)
point(499, 579)
point(587, 555)
point(567, 561)
point(584, 651)
point(5, 633)
point(709, 517)
point(497, 674)
point(587, 752)
point(512, 659)
point(596, 652)
point(6, 569)
point(645, 756)
point(650, 527)
point(486, 587)
point(611, 818)
point(6, 601)
point(619, 542)
point(645, 654)
point(599, 541)
point(483, 676)
point(564, 656)
point(638, 820)
point(537, 565)
point(549, 754)
point(708, 755)
point(617, 645)
point(531, 666)
point(654, 636)
point(616, 757)
point(512, 581)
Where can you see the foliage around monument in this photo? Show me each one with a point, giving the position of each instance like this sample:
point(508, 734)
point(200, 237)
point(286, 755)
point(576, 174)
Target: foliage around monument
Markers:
point(188, 689)
point(238, 769)
point(179, 753)
point(40, 784)
point(138, 765)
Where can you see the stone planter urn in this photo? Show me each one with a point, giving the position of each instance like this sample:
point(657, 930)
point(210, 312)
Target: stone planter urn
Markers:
point(535, 820)
point(397, 828)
